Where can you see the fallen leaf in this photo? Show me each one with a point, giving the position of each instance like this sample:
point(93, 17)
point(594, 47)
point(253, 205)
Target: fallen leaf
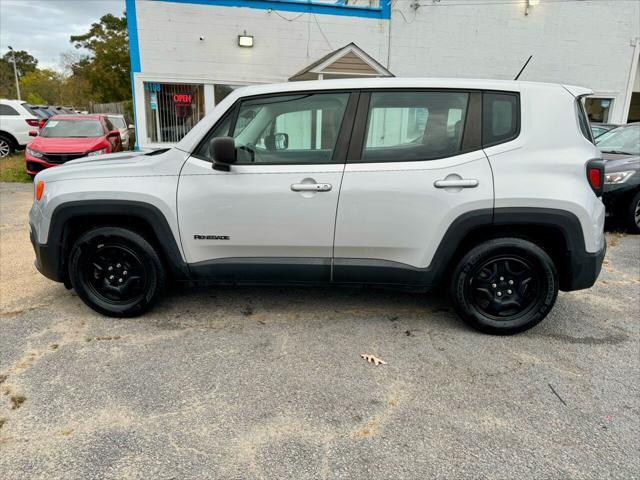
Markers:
point(373, 359)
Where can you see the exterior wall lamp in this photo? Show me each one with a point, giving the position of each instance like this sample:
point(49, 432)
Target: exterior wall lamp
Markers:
point(530, 3)
point(245, 40)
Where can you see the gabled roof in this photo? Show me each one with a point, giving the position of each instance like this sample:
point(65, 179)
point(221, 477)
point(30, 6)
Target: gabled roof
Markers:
point(348, 61)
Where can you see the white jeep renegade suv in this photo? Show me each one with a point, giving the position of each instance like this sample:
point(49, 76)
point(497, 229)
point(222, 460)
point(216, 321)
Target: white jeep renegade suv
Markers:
point(490, 187)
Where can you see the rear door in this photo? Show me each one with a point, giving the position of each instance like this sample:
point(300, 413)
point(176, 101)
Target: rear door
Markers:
point(415, 165)
point(272, 216)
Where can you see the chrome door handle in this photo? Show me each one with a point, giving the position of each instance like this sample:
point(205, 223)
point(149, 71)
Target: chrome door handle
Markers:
point(461, 183)
point(311, 187)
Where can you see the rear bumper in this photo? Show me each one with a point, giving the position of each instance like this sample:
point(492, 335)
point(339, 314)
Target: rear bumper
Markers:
point(585, 269)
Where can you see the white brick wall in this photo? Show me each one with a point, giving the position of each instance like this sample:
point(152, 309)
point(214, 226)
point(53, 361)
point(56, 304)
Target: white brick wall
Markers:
point(583, 43)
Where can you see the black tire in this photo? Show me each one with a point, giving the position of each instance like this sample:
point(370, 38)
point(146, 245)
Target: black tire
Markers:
point(504, 286)
point(116, 272)
point(633, 214)
point(7, 147)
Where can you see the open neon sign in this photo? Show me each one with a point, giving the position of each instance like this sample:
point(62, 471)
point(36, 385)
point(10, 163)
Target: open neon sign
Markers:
point(182, 98)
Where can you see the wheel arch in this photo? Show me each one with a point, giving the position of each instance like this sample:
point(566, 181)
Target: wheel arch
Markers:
point(558, 232)
point(70, 220)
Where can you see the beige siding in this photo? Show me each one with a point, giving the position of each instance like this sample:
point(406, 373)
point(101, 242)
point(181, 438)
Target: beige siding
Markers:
point(350, 63)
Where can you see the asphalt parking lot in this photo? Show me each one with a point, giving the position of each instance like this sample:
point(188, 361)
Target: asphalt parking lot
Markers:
point(240, 383)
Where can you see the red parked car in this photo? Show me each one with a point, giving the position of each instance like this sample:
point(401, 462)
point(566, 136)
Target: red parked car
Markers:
point(67, 137)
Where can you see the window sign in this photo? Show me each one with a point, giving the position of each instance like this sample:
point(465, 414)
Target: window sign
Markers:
point(182, 98)
point(153, 102)
point(151, 87)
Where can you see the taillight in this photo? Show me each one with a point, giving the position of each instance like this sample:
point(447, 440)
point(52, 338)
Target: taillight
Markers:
point(32, 122)
point(41, 123)
point(595, 175)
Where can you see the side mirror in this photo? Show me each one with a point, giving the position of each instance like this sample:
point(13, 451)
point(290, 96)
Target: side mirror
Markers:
point(33, 133)
point(277, 141)
point(113, 134)
point(223, 150)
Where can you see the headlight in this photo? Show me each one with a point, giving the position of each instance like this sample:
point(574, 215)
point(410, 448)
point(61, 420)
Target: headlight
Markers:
point(97, 152)
point(618, 177)
point(34, 153)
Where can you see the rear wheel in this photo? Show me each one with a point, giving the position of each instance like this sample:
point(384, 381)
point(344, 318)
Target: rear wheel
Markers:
point(6, 146)
point(504, 286)
point(633, 214)
point(116, 272)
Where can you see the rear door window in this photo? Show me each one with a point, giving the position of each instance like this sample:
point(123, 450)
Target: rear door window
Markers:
point(412, 126)
point(7, 110)
point(500, 117)
point(118, 122)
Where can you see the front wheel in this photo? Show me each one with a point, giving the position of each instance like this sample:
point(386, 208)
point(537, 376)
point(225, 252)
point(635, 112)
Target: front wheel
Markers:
point(116, 272)
point(504, 286)
point(633, 214)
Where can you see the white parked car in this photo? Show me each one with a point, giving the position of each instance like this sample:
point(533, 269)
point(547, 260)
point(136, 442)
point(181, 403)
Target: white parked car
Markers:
point(489, 187)
point(120, 123)
point(16, 120)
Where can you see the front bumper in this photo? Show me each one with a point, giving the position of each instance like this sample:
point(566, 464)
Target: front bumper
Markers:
point(616, 198)
point(35, 165)
point(585, 269)
point(47, 258)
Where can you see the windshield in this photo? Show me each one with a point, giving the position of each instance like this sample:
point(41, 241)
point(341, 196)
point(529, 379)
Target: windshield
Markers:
point(625, 140)
point(72, 129)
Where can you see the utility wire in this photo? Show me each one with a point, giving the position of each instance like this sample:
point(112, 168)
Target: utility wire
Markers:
point(322, 32)
point(440, 3)
point(285, 18)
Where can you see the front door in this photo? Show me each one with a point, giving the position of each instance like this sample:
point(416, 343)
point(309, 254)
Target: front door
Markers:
point(272, 216)
point(417, 167)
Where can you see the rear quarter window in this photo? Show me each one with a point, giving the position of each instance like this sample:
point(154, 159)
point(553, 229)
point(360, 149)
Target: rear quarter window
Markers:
point(500, 117)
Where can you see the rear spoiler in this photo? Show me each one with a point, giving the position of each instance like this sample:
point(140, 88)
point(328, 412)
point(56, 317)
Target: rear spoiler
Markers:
point(578, 92)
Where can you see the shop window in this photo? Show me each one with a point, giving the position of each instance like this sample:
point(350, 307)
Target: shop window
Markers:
point(172, 109)
point(221, 91)
point(598, 109)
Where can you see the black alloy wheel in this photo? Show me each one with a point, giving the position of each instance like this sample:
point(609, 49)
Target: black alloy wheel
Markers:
point(504, 286)
point(116, 271)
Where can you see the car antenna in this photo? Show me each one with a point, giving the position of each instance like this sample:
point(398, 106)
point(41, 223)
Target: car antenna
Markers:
point(523, 67)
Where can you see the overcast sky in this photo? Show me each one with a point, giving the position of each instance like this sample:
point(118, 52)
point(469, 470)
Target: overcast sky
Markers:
point(43, 27)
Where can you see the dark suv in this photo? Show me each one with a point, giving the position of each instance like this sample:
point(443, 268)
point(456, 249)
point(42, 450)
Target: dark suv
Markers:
point(621, 149)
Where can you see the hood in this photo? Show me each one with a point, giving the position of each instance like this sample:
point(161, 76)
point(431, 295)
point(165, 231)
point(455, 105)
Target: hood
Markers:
point(620, 162)
point(67, 145)
point(120, 157)
point(116, 165)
